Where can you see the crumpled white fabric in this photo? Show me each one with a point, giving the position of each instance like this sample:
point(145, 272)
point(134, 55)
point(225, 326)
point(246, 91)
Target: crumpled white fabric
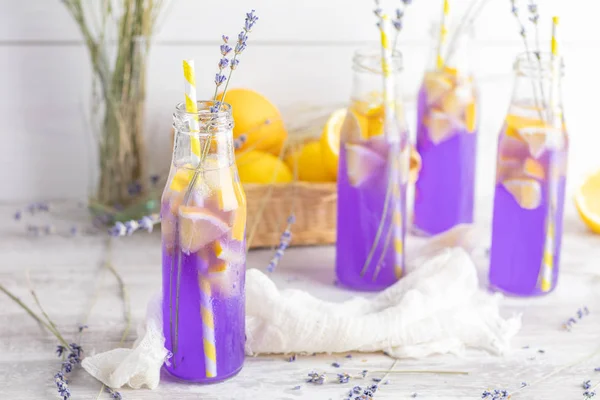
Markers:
point(437, 307)
point(136, 367)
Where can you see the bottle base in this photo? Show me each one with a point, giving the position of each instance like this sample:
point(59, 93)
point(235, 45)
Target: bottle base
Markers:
point(201, 380)
point(513, 293)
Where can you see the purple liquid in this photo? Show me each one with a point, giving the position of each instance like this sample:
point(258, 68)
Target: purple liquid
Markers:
point(182, 321)
point(360, 210)
point(519, 234)
point(444, 192)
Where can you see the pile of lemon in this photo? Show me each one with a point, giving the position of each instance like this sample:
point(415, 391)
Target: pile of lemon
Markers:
point(260, 134)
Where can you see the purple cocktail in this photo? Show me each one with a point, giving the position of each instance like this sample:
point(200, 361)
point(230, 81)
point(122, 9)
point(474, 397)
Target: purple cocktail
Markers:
point(203, 215)
point(447, 143)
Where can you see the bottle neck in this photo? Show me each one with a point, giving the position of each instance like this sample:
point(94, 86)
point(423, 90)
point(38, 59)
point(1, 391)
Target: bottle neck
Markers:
point(368, 82)
point(537, 86)
point(454, 52)
point(204, 139)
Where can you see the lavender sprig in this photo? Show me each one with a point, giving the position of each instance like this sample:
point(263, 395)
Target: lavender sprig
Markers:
point(113, 393)
point(240, 46)
point(582, 312)
point(284, 242)
point(398, 21)
point(495, 395)
point(128, 228)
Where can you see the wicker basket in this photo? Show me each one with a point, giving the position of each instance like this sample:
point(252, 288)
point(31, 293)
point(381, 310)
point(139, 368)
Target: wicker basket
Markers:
point(314, 206)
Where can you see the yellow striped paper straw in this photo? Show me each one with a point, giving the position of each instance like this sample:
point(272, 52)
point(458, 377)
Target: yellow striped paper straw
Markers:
point(443, 33)
point(549, 243)
point(208, 329)
point(393, 134)
point(191, 103)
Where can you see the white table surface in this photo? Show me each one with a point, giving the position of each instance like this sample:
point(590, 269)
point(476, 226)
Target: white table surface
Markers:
point(69, 279)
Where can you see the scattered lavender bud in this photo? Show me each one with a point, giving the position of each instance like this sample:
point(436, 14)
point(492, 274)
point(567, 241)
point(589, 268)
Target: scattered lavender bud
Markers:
point(376, 380)
point(597, 369)
point(364, 373)
point(541, 351)
point(349, 356)
point(525, 347)
point(296, 387)
point(523, 384)
point(413, 395)
point(82, 327)
point(587, 384)
point(73, 231)
point(335, 365)
point(343, 378)
point(316, 378)
point(589, 395)
point(18, 215)
point(292, 358)
point(154, 179)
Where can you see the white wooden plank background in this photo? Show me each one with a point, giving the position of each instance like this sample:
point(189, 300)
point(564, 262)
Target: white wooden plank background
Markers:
point(300, 52)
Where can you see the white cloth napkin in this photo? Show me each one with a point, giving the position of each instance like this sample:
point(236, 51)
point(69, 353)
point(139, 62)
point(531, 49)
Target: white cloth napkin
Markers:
point(136, 367)
point(437, 307)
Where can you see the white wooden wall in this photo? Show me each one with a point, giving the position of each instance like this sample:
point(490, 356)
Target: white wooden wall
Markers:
point(300, 52)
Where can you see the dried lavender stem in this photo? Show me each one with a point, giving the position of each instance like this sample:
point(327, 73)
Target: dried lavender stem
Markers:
point(34, 316)
point(125, 298)
point(39, 305)
point(380, 228)
point(463, 24)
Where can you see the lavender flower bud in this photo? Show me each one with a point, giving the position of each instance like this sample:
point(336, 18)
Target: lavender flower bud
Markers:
point(225, 38)
point(130, 227)
point(215, 107)
point(234, 63)
point(219, 79)
point(146, 223)
point(118, 229)
point(378, 12)
point(240, 47)
point(18, 216)
point(225, 49)
point(223, 63)
point(242, 37)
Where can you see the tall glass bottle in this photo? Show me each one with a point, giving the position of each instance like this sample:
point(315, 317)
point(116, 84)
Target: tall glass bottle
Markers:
point(372, 176)
point(530, 183)
point(447, 141)
point(203, 215)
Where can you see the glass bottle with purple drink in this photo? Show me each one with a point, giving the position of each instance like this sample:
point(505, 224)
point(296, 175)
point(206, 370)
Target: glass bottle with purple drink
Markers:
point(447, 142)
point(372, 177)
point(203, 215)
point(530, 184)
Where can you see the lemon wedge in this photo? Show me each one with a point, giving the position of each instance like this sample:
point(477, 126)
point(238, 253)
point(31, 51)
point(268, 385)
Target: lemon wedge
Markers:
point(587, 201)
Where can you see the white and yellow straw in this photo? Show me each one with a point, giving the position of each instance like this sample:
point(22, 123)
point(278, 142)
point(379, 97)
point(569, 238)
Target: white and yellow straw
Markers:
point(556, 122)
point(191, 104)
point(208, 329)
point(393, 134)
point(206, 311)
point(443, 34)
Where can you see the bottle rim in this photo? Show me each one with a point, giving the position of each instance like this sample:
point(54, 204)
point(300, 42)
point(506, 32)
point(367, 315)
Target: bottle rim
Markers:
point(212, 122)
point(528, 64)
point(369, 60)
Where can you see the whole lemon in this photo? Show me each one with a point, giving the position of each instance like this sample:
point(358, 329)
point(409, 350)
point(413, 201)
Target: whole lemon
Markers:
point(256, 118)
point(309, 161)
point(260, 167)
